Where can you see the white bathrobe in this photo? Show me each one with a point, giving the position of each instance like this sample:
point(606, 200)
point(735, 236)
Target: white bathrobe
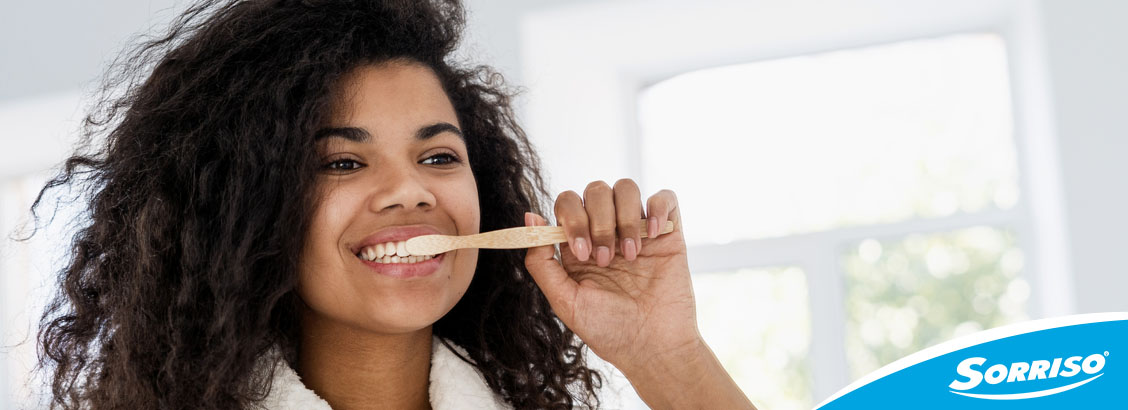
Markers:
point(455, 384)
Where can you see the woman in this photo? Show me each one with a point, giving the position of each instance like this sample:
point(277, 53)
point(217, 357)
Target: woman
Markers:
point(248, 183)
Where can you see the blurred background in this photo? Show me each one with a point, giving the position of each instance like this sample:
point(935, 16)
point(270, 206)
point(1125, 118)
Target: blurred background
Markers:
point(858, 179)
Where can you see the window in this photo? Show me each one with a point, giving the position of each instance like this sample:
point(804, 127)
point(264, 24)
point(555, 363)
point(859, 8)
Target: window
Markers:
point(894, 289)
point(891, 169)
point(883, 134)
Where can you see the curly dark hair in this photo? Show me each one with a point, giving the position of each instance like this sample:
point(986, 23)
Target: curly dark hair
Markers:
point(200, 178)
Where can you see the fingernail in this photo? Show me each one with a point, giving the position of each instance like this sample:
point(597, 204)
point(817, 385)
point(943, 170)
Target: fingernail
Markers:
point(629, 250)
point(603, 256)
point(652, 227)
point(580, 249)
point(528, 222)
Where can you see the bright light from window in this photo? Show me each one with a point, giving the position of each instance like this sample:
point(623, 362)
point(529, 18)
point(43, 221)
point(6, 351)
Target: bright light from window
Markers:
point(766, 351)
point(915, 129)
point(907, 294)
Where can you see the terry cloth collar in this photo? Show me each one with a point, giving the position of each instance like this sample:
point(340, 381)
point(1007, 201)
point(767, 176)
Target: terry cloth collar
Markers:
point(455, 384)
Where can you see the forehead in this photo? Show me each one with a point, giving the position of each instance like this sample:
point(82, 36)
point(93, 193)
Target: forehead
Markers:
point(391, 97)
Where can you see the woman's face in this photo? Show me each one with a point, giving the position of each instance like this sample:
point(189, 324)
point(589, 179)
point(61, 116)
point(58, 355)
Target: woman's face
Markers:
point(392, 157)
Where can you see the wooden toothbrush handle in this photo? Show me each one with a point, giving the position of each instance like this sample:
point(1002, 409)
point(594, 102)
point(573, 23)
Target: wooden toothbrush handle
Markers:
point(530, 236)
point(509, 238)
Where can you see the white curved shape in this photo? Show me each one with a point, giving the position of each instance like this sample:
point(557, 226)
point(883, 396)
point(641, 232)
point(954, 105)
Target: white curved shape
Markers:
point(976, 339)
point(1033, 394)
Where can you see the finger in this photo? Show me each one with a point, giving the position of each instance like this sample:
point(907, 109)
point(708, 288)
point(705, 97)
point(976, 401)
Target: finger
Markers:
point(662, 207)
point(599, 202)
point(570, 214)
point(549, 275)
point(628, 215)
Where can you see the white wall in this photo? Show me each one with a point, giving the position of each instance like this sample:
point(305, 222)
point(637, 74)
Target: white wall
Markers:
point(1087, 50)
point(51, 55)
point(57, 46)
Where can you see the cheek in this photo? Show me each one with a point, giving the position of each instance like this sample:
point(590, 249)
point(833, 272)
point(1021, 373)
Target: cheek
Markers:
point(327, 224)
point(461, 201)
point(321, 249)
point(467, 217)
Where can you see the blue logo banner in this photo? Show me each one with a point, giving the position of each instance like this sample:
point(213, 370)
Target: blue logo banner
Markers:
point(1074, 362)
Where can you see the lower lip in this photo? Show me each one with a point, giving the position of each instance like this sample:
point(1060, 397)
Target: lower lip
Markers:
point(406, 270)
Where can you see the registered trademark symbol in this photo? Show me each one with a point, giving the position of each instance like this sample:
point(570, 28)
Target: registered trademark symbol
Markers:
point(1106, 353)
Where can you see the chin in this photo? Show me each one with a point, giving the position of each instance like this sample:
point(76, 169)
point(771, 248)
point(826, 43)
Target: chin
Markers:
point(406, 316)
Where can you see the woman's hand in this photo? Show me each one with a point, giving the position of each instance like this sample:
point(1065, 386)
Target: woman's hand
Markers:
point(629, 299)
point(624, 300)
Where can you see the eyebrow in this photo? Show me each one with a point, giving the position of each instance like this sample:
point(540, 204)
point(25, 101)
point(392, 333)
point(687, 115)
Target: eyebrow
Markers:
point(361, 135)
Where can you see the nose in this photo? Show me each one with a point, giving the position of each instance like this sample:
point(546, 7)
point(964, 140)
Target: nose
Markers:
point(400, 186)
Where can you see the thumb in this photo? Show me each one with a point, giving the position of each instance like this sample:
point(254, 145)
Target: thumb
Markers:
point(549, 275)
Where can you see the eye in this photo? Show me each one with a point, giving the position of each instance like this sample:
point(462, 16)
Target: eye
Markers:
point(342, 164)
point(450, 159)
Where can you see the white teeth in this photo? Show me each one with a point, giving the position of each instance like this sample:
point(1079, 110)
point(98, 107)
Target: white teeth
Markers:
point(391, 252)
point(405, 259)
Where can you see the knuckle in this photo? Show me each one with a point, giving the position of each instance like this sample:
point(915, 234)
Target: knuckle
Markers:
point(576, 227)
point(567, 195)
point(626, 183)
point(602, 231)
point(629, 230)
point(627, 215)
point(597, 187)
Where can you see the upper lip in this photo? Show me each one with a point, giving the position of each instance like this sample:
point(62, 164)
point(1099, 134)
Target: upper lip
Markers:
point(394, 234)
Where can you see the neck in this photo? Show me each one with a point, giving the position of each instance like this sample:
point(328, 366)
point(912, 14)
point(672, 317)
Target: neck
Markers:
point(356, 369)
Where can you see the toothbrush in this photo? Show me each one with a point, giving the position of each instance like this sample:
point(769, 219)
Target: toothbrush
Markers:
point(509, 238)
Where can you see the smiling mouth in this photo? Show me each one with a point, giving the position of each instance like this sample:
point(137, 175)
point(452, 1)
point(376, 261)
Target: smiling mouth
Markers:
point(390, 252)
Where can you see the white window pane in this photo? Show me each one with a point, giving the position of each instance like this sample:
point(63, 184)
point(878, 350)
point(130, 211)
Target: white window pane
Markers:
point(758, 323)
point(872, 135)
point(908, 294)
